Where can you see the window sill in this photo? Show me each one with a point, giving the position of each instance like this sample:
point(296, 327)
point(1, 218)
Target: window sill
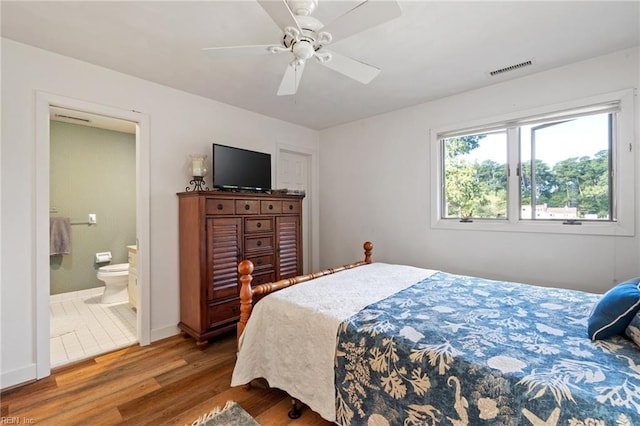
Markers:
point(543, 227)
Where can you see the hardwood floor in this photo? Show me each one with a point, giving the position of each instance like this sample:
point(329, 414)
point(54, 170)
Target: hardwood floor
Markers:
point(168, 382)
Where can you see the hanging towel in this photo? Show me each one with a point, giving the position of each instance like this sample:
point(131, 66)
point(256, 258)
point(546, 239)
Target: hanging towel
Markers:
point(60, 235)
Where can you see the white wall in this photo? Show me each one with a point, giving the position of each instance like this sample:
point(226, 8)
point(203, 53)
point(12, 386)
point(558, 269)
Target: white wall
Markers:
point(378, 185)
point(180, 124)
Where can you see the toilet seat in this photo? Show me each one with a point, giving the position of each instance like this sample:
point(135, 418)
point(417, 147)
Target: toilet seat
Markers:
point(118, 267)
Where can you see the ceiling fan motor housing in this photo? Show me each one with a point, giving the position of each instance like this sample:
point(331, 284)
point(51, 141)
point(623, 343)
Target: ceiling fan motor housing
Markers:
point(303, 45)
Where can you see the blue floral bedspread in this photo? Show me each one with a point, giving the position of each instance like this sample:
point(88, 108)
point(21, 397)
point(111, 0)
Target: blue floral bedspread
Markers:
point(468, 351)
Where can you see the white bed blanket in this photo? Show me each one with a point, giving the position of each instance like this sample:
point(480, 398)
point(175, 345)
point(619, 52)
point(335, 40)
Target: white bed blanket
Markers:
point(290, 338)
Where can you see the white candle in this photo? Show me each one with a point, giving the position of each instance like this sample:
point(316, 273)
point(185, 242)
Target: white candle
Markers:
point(197, 167)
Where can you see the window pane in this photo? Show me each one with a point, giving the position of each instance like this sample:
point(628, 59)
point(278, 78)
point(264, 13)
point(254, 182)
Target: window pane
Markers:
point(475, 176)
point(566, 169)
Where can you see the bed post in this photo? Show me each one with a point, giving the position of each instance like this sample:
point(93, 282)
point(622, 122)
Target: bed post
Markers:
point(368, 246)
point(245, 268)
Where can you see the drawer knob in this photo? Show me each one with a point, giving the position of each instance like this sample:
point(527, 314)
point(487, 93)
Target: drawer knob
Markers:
point(220, 206)
point(270, 206)
point(235, 308)
point(259, 262)
point(259, 225)
point(247, 206)
point(290, 206)
point(259, 243)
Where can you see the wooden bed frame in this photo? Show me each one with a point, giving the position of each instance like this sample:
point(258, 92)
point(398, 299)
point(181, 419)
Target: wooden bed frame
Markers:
point(245, 268)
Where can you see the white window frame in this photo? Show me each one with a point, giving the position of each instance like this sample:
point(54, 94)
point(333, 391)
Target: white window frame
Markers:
point(624, 166)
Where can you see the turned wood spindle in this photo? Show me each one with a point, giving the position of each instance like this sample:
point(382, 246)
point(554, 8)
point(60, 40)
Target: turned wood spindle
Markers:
point(245, 268)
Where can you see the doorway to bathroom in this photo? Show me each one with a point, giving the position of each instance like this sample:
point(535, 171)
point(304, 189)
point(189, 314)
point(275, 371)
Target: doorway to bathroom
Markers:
point(92, 177)
point(92, 203)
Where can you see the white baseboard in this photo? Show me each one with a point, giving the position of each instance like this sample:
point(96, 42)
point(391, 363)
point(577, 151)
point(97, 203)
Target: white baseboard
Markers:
point(164, 332)
point(19, 376)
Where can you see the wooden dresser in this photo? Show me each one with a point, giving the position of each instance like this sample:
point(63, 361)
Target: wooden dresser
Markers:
point(218, 229)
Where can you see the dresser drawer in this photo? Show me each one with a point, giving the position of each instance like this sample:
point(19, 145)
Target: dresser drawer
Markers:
point(262, 262)
point(263, 242)
point(294, 206)
point(264, 224)
point(219, 313)
point(258, 279)
point(220, 206)
point(270, 207)
point(247, 206)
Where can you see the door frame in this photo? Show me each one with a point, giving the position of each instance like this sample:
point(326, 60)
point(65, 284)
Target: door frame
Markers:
point(44, 101)
point(312, 234)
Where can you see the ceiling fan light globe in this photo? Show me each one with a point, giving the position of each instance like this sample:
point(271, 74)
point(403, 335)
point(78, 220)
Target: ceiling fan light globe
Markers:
point(303, 50)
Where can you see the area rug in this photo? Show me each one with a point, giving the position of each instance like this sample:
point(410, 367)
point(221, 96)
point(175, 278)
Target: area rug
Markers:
point(231, 414)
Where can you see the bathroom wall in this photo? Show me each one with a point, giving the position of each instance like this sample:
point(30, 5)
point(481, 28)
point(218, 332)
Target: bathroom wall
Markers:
point(92, 171)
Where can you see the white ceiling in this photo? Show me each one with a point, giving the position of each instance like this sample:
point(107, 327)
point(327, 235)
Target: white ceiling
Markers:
point(435, 49)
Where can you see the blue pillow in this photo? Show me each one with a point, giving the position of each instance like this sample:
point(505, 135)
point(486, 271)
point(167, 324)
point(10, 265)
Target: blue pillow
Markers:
point(615, 310)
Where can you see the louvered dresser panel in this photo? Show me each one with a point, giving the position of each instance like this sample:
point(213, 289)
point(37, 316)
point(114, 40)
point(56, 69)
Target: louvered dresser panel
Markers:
point(224, 237)
point(289, 259)
point(217, 230)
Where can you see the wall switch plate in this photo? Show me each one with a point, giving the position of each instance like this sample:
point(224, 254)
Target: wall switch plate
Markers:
point(92, 218)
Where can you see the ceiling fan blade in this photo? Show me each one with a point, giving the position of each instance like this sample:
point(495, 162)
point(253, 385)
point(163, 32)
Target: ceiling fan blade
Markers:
point(366, 15)
point(291, 80)
point(350, 67)
point(280, 13)
point(238, 51)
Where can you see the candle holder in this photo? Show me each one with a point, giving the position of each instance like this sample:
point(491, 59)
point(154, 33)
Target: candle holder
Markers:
point(198, 184)
point(198, 171)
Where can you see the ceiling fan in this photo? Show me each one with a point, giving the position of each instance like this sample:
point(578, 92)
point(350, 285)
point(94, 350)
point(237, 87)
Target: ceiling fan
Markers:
point(306, 37)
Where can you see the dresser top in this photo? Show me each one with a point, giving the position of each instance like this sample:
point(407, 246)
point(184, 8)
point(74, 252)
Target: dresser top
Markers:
point(238, 194)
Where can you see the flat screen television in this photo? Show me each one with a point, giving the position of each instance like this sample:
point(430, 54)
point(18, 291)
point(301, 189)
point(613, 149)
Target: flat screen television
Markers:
point(237, 168)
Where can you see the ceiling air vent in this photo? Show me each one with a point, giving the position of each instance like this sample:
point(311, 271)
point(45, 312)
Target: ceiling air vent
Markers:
point(68, 117)
point(511, 68)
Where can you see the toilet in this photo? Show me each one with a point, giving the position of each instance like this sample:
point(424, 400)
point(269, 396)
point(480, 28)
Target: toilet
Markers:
point(116, 281)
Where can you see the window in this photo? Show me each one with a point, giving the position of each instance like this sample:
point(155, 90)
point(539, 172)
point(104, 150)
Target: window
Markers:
point(545, 170)
point(475, 176)
point(566, 169)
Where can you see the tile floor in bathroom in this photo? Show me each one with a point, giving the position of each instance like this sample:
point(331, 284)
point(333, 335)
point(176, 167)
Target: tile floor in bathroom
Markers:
point(82, 327)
